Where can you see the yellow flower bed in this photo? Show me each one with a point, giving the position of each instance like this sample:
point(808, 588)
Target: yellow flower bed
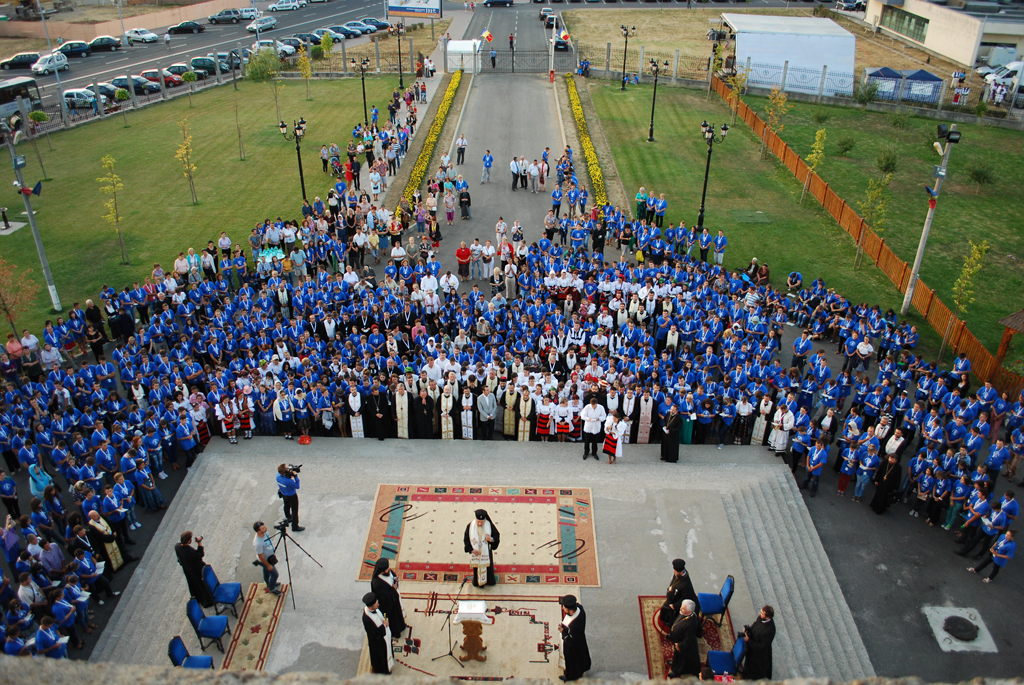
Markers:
point(589, 153)
point(419, 171)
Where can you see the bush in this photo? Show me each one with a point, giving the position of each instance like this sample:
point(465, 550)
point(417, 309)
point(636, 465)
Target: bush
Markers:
point(898, 119)
point(980, 173)
point(888, 159)
point(866, 94)
point(845, 144)
point(317, 53)
point(981, 109)
point(820, 116)
point(823, 11)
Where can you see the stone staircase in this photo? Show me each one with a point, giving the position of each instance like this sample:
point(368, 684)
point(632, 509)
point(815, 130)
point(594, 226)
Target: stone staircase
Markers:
point(785, 566)
point(209, 493)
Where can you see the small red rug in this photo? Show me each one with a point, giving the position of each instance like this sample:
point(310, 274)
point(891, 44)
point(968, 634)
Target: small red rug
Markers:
point(659, 649)
point(254, 631)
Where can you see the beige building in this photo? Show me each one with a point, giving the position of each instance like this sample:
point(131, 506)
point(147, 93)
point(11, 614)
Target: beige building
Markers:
point(963, 31)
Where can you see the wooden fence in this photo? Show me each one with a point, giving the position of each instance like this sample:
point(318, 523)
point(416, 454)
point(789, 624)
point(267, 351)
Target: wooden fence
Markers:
point(934, 311)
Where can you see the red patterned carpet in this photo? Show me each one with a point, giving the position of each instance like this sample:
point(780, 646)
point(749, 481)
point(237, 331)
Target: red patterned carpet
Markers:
point(659, 649)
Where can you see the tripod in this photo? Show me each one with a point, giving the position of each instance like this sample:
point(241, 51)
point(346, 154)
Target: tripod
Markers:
point(448, 622)
point(284, 537)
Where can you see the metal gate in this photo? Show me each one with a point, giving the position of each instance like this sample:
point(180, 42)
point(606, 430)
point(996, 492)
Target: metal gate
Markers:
point(527, 61)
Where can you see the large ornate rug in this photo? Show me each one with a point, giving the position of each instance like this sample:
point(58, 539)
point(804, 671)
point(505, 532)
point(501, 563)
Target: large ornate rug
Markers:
point(254, 631)
point(547, 534)
point(659, 649)
point(523, 642)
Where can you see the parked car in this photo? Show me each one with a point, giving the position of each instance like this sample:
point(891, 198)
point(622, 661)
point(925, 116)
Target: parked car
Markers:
point(226, 17)
point(249, 13)
point(79, 98)
point(142, 35)
point(851, 5)
point(545, 11)
point(187, 27)
point(282, 49)
point(170, 80)
point(107, 90)
point(75, 48)
point(262, 24)
point(50, 62)
point(22, 60)
point(377, 23)
point(1005, 75)
point(284, 6)
point(505, 3)
point(140, 85)
point(207, 65)
point(231, 59)
point(313, 38)
point(360, 27)
point(104, 43)
point(335, 37)
point(292, 42)
point(180, 68)
point(344, 31)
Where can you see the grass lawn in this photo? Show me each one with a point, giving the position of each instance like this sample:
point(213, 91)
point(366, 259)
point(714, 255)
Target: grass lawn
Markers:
point(663, 31)
point(962, 213)
point(740, 187)
point(157, 219)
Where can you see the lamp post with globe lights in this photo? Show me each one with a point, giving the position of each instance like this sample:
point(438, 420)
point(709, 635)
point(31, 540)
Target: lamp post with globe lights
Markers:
point(627, 33)
point(298, 131)
point(656, 69)
point(707, 131)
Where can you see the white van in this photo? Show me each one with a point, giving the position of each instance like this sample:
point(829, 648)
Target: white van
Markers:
point(1003, 76)
point(50, 62)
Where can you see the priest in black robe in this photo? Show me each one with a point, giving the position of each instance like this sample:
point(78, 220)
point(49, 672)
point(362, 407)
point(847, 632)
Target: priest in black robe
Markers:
point(686, 629)
point(422, 420)
point(757, 664)
point(384, 585)
point(191, 560)
point(887, 485)
point(377, 414)
point(670, 436)
point(680, 588)
point(378, 636)
point(482, 536)
point(573, 628)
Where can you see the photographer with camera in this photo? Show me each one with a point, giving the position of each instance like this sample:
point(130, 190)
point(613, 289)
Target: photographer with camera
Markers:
point(287, 490)
point(191, 561)
point(265, 557)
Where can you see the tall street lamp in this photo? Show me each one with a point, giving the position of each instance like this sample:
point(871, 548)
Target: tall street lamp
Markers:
point(627, 33)
point(398, 30)
point(952, 137)
point(10, 138)
point(708, 132)
point(655, 69)
point(363, 67)
point(299, 130)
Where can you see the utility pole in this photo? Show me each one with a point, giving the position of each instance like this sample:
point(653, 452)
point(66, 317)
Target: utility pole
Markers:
point(951, 136)
point(18, 163)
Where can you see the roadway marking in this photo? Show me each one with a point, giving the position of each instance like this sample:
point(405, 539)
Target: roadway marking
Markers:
point(115, 61)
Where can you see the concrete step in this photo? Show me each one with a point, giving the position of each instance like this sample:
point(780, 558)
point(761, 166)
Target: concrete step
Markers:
point(759, 582)
point(818, 606)
point(777, 548)
point(852, 645)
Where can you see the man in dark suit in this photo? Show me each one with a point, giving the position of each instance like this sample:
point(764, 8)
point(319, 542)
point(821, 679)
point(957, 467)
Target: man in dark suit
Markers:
point(757, 665)
point(574, 639)
point(686, 659)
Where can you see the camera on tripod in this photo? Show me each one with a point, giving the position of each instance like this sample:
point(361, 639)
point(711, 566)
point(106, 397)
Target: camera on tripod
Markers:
point(283, 524)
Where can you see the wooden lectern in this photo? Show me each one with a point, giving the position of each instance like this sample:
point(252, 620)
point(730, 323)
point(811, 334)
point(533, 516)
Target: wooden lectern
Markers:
point(472, 614)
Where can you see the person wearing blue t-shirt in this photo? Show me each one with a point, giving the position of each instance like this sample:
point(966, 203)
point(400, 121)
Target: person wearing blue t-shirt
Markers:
point(816, 459)
point(488, 163)
point(1000, 553)
point(287, 487)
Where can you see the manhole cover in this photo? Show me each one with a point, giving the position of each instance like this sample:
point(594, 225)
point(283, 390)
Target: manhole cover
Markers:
point(960, 628)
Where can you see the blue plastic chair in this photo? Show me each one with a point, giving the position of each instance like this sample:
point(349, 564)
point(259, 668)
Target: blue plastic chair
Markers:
point(728, 663)
point(178, 653)
point(715, 605)
point(223, 593)
point(211, 628)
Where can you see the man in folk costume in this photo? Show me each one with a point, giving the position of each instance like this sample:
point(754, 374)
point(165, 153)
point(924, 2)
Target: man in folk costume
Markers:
point(573, 627)
point(614, 430)
point(402, 411)
point(446, 408)
point(508, 400)
point(378, 636)
point(680, 588)
point(629, 406)
point(355, 412)
point(593, 416)
point(782, 424)
point(467, 405)
point(384, 586)
point(246, 410)
point(480, 540)
point(423, 416)
point(226, 414)
point(644, 418)
point(526, 413)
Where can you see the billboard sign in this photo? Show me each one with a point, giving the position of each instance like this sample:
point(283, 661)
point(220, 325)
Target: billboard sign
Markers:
point(424, 9)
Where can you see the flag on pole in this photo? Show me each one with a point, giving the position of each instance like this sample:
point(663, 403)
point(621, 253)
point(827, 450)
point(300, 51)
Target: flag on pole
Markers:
point(486, 35)
point(564, 35)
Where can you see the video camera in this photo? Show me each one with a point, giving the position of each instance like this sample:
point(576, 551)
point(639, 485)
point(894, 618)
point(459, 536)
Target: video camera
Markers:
point(295, 468)
point(283, 524)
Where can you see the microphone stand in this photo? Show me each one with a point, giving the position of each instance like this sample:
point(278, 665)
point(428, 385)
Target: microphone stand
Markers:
point(448, 622)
